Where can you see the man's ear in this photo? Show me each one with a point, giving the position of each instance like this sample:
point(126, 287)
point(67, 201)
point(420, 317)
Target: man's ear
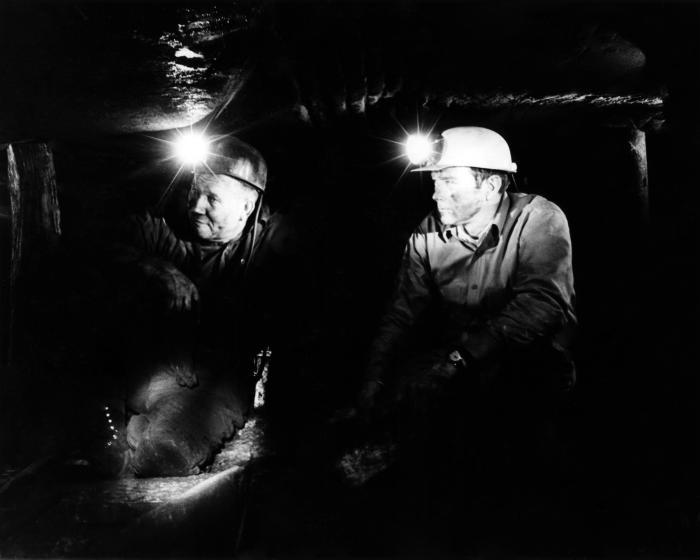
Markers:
point(494, 183)
point(249, 205)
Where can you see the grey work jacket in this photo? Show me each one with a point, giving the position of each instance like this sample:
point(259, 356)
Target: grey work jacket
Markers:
point(512, 292)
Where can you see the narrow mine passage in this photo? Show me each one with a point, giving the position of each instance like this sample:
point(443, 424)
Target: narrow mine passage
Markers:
point(457, 240)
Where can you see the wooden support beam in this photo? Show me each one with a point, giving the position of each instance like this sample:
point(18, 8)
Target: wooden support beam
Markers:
point(35, 229)
point(637, 144)
point(5, 244)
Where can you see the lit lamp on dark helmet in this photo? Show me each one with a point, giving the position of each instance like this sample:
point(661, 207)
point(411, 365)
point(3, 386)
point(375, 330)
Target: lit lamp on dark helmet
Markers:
point(222, 155)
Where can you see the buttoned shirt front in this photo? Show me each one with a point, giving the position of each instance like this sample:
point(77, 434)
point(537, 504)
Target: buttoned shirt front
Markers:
point(510, 289)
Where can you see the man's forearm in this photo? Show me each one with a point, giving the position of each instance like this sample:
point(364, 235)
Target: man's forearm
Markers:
point(383, 350)
point(509, 331)
point(542, 291)
point(155, 266)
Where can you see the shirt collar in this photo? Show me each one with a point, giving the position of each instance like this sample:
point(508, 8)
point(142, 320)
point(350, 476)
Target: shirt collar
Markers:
point(492, 231)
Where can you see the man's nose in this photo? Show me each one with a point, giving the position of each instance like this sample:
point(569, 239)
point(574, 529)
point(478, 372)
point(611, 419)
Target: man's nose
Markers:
point(199, 206)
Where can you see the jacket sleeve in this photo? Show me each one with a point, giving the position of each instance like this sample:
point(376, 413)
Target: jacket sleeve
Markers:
point(144, 238)
point(412, 296)
point(543, 289)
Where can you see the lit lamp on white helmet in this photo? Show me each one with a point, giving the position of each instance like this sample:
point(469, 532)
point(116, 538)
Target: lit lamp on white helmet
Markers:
point(419, 148)
point(470, 146)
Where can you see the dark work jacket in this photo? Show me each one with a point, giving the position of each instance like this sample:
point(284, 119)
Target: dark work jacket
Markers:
point(233, 310)
point(507, 297)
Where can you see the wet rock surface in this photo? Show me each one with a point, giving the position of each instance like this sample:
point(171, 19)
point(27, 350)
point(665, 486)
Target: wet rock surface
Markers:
point(135, 67)
point(117, 68)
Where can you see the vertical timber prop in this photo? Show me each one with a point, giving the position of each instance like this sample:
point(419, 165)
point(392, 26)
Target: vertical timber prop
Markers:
point(637, 144)
point(36, 230)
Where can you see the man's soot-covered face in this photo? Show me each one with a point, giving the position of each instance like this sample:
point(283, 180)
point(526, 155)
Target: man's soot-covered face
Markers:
point(219, 206)
point(458, 194)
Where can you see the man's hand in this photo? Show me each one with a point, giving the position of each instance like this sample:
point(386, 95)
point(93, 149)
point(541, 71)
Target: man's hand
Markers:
point(365, 404)
point(180, 292)
point(430, 382)
point(368, 394)
point(444, 371)
point(177, 290)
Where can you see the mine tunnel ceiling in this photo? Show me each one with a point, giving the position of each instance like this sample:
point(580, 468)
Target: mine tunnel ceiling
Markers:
point(120, 68)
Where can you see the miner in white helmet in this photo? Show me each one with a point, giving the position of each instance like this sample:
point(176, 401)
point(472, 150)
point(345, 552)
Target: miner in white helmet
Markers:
point(484, 297)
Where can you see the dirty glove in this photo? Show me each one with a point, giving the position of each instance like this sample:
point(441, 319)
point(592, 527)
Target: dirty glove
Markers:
point(431, 382)
point(178, 290)
point(441, 373)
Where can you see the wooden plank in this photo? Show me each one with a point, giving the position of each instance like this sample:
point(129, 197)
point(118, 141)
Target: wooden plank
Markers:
point(35, 224)
point(637, 144)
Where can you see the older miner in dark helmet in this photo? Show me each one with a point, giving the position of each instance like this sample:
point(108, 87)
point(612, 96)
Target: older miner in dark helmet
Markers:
point(198, 323)
point(481, 322)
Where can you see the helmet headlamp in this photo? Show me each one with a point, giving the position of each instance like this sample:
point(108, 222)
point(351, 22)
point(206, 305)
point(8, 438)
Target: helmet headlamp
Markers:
point(420, 148)
point(191, 148)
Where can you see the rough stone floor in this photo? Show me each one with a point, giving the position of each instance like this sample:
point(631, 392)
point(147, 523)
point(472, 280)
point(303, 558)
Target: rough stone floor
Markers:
point(278, 508)
point(56, 511)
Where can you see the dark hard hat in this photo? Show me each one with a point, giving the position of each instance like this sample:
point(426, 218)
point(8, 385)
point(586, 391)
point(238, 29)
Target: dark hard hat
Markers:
point(233, 157)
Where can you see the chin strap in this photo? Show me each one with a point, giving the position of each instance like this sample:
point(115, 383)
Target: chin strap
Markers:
point(513, 183)
point(256, 213)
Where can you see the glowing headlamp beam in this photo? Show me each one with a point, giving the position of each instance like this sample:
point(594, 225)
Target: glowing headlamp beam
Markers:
point(191, 148)
point(419, 148)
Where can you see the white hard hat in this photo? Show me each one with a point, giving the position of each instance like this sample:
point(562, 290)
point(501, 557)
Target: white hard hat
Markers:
point(473, 146)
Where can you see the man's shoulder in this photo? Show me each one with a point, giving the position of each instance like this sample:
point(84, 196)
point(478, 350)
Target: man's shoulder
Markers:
point(285, 233)
point(146, 218)
point(533, 204)
point(146, 227)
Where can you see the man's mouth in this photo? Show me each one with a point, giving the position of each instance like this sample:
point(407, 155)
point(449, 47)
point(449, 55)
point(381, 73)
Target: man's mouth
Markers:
point(200, 222)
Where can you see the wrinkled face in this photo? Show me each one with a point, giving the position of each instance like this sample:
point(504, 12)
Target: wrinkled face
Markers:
point(219, 206)
point(458, 195)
